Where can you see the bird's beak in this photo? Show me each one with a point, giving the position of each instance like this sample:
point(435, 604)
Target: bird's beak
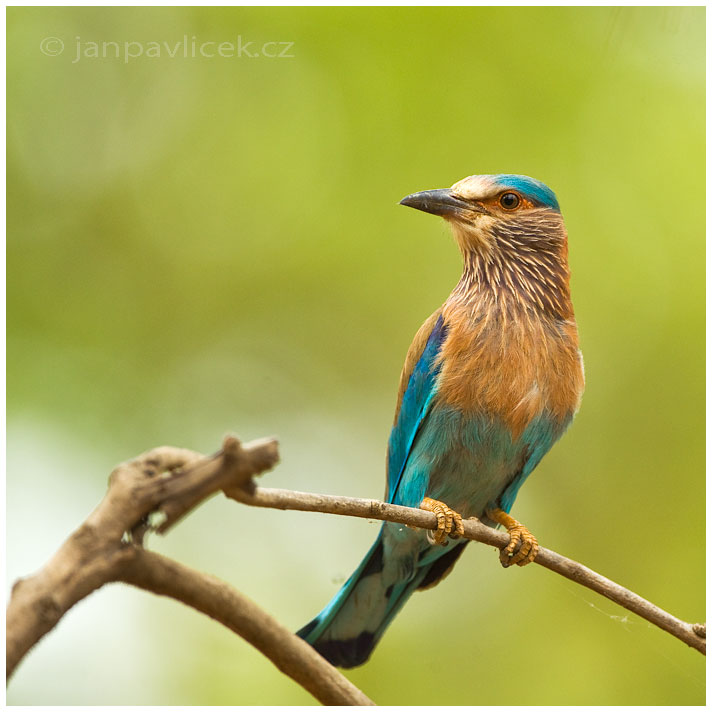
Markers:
point(441, 202)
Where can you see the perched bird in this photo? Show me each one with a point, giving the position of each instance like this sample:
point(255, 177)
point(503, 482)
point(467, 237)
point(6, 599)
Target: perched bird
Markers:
point(492, 379)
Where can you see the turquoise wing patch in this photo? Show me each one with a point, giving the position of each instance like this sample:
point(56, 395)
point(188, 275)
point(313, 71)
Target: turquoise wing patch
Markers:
point(537, 440)
point(414, 407)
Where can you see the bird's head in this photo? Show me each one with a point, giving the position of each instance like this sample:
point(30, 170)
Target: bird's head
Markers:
point(512, 237)
point(488, 212)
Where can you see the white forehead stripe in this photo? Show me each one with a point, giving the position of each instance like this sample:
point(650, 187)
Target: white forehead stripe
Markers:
point(476, 187)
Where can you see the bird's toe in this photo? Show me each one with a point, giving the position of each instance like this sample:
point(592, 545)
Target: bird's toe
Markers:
point(522, 547)
point(449, 521)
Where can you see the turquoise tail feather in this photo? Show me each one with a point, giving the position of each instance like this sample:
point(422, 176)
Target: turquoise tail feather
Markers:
point(347, 630)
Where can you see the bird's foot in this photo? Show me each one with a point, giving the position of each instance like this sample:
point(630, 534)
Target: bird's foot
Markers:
point(523, 546)
point(449, 521)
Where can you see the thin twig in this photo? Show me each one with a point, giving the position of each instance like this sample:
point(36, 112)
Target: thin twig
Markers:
point(476, 531)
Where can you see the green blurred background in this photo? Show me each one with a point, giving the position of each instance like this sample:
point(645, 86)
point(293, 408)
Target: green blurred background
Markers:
point(199, 245)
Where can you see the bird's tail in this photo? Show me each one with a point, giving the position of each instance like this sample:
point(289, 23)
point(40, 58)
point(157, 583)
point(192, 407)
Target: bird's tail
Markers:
point(347, 630)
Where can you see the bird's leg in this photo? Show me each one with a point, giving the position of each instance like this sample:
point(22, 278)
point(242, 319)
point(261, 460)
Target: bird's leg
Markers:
point(518, 535)
point(449, 521)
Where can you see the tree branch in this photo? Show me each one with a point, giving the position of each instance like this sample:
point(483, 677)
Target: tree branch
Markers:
point(692, 634)
point(107, 547)
point(224, 604)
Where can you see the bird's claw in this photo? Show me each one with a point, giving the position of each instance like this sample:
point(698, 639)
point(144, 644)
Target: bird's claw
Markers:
point(523, 546)
point(449, 521)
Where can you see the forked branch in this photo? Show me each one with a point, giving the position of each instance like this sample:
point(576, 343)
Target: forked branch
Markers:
point(165, 483)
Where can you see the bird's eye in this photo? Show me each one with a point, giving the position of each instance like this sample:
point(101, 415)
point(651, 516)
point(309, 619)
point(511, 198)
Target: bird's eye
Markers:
point(509, 201)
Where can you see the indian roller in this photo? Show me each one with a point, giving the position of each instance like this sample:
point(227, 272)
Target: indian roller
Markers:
point(491, 381)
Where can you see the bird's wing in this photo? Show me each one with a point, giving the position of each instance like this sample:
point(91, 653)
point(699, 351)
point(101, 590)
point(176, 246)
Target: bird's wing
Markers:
point(538, 438)
point(417, 388)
